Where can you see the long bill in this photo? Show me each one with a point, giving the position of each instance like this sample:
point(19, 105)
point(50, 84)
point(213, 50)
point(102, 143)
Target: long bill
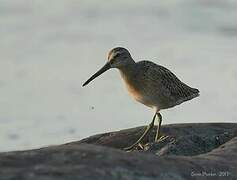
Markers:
point(102, 70)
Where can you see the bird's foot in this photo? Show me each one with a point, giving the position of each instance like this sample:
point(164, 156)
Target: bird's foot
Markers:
point(161, 138)
point(135, 146)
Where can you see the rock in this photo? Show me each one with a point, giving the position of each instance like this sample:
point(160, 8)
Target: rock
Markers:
point(192, 151)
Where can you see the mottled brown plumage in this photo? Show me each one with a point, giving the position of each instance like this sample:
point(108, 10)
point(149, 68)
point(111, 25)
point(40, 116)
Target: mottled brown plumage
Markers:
point(151, 84)
point(159, 87)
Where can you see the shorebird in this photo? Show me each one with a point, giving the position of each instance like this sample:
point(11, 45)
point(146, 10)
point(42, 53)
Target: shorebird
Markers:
point(150, 84)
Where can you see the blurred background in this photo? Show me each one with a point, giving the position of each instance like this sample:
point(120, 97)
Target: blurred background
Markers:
point(49, 48)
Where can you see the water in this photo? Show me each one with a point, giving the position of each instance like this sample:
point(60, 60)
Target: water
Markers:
point(49, 48)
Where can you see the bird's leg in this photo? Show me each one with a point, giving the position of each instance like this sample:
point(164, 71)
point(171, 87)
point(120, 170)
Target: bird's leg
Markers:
point(158, 127)
point(149, 127)
point(158, 137)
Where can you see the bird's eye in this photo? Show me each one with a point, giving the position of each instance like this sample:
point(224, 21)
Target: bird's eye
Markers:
point(117, 55)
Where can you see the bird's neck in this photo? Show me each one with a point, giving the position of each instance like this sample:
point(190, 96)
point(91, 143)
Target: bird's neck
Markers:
point(128, 70)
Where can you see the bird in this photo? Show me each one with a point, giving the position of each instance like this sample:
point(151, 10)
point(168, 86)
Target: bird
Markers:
point(151, 84)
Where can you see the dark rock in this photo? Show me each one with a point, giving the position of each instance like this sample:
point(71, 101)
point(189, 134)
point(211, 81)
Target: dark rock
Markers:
point(183, 139)
point(192, 151)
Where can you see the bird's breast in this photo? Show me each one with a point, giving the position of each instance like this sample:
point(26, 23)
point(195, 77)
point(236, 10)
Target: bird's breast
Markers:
point(136, 90)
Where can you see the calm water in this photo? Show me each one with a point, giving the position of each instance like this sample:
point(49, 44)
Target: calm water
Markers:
point(49, 48)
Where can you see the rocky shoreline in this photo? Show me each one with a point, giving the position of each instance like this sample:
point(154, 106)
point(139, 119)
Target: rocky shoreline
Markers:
point(192, 151)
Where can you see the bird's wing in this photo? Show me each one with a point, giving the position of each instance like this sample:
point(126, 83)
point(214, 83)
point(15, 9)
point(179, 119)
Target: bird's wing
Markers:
point(167, 83)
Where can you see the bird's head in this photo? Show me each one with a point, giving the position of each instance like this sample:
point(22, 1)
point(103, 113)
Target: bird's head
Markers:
point(117, 58)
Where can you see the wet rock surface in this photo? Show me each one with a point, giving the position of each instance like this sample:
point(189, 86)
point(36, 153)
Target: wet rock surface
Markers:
point(191, 151)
